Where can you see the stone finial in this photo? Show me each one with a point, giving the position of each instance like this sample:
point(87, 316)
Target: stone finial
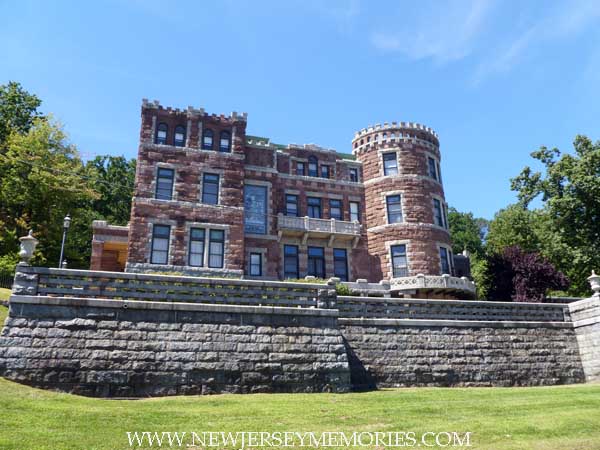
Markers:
point(28, 244)
point(466, 253)
point(594, 281)
point(63, 265)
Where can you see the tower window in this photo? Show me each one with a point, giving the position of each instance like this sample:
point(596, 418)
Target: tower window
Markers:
point(207, 139)
point(164, 183)
point(160, 244)
point(313, 166)
point(179, 139)
point(445, 261)
point(394, 208)
point(433, 173)
point(161, 133)
point(390, 164)
point(438, 213)
point(225, 142)
point(210, 189)
point(399, 262)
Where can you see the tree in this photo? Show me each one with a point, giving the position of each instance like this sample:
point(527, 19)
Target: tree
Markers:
point(467, 232)
point(569, 188)
point(513, 225)
point(42, 179)
point(113, 178)
point(522, 276)
point(18, 110)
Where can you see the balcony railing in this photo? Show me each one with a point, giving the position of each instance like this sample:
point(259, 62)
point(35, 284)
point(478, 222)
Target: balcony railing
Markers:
point(310, 227)
point(432, 282)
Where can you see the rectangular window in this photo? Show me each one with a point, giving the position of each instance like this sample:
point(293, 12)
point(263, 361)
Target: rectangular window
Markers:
point(390, 164)
point(394, 208)
point(354, 212)
point(210, 189)
point(216, 249)
point(354, 175)
point(316, 262)
point(255, 209)
point(164, 183)
point(340, 263)
point(160, 244)
point(399, 262)
point(291, 205)
point(312, 168)
point(325, 172)
point(335, 209)
point(438, 213)
point(314, 207)
point(300, 168)
point(256, 264)
point(196, 254)
point(290, 261)
point(445, 261)
point(432, 168)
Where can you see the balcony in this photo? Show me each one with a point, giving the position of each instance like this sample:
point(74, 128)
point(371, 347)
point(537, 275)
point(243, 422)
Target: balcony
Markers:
point(435, 284)
point(307, 227)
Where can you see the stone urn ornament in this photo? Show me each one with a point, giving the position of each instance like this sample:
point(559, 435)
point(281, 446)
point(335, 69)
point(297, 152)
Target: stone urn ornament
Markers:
point(594, 281)
point(28, 244)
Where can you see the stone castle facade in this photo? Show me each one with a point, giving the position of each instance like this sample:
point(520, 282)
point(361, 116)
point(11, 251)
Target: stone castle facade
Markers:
point(211, 200)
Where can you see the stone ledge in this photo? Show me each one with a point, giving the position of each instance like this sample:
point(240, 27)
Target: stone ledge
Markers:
point(452, 323)
point(170, 306)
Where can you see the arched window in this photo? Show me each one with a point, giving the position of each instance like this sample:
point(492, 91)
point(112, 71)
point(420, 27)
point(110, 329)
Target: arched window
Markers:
point(207, 139)
point(225, 142)
point(179, 139)
point(313, 167)
point(161, 134)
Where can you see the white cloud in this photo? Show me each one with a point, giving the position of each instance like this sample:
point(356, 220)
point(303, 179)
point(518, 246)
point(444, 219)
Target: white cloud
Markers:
point(562, 22)
point(443, 33)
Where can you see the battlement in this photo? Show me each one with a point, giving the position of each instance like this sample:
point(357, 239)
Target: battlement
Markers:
point(193, 112)
point(394, 126)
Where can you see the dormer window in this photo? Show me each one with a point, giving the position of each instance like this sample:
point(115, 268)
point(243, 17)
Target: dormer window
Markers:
point(313, 167)
point(225, 142)
point(207, 139)
point(161, 134)
point(179, 139)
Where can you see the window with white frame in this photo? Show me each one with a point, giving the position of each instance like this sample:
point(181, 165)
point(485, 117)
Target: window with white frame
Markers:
point(354, 212)
point(225, 142)
point(255, 264)
point(159, 253)
point(207, 139)
point(179, 137)
point(353, 174)
point(446, 260)
point(399, 260)
point(164, 183)
point(438, 213)
point(216, 249)
point(210, 189)
point(196, 251)
point(390, 164)
point(161, 134)
point(394, 208)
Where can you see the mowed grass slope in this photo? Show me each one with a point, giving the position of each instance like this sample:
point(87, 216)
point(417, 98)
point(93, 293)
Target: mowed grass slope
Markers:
point(4, 294)
point(565, 417)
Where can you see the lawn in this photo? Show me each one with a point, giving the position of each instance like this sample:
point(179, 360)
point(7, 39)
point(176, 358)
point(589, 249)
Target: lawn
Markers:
point(4, 294)
point(499, 418)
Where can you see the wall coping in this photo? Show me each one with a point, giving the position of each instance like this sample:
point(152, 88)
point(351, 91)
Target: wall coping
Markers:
point(169, 306)
point(452, 323)
point(453, 302)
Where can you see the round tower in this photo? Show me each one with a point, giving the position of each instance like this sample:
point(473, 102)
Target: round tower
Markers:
point(406, 213)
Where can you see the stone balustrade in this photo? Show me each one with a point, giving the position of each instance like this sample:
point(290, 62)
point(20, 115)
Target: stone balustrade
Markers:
point(421, 281)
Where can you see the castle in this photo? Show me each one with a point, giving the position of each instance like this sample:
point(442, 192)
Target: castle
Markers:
point(211, 200)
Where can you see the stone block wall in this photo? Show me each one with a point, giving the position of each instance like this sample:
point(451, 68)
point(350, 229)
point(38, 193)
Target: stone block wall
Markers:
point(586, 320)
point(399, 353)
point(100, 348)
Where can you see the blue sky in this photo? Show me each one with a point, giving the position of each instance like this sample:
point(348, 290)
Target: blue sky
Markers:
point(495, 79)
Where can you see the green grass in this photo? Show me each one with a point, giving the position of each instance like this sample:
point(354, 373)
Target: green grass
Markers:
point(4, 294)
point(564, 417)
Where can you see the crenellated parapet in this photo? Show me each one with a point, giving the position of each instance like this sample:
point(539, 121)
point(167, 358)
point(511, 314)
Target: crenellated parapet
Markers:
point(192, 112)
point(392, 134)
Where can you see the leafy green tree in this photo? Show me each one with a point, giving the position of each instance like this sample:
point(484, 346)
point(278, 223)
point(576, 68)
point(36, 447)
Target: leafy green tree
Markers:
point(513, 225)
point(18, 110)
point(113, 178)
point(467, 232)
point(569, 188)
point(43, 179)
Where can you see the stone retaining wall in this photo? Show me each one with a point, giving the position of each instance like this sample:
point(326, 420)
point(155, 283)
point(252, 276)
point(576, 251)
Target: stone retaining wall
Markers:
point(112, 348)
point(397, 353)
point(586, 320)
